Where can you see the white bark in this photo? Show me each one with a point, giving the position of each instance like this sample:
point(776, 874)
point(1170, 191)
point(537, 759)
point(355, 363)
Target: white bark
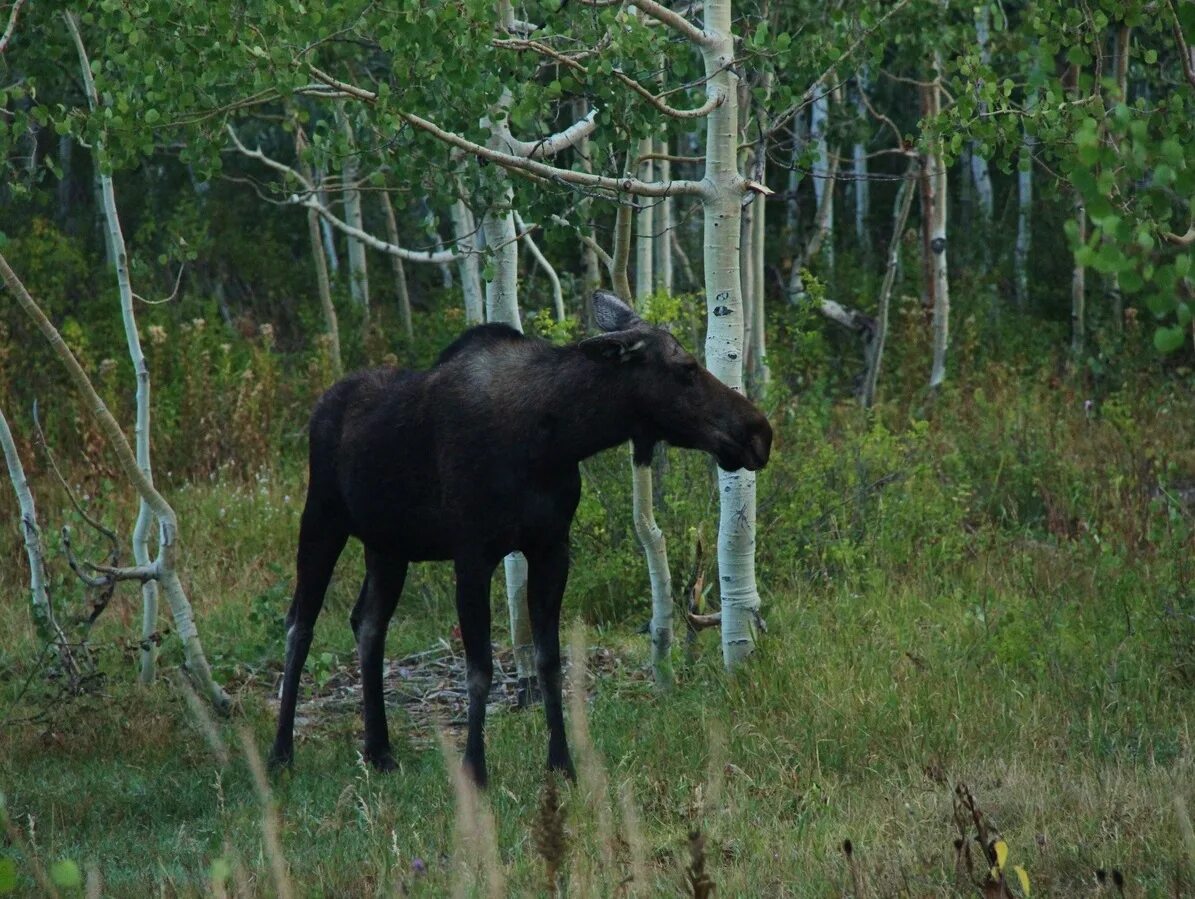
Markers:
point(464, 228)
point(823, 180)
point(937, 185)
point(859, 167)
point(1079, 283)
point(663, 225)
point(140, 537)
point(502, 290)
point(323, 284)
point(591, 278)
point(655, 548)
point(761, 375)
point(326, 226)
point(645, 228)
point(43, 612)
point(400, 275)
point(980, 173)
point(1020, 262)
point(164, 566)
point(152, 502)
point(358, 270)
point(724, 188)
point(542, 261)
point(875, 350)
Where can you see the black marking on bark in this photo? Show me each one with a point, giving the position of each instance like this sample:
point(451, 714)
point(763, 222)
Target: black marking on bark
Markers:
point(938, 244)
point(721, 311)
point(732, 355)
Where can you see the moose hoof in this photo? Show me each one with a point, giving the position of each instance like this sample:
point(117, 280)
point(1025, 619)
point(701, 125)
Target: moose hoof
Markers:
point(527, 693)
point(280, 760)
point(382, 762)
point(563, 766)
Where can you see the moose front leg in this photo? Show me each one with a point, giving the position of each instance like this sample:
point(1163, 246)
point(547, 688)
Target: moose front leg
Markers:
point(473, 610)
point(545, 592)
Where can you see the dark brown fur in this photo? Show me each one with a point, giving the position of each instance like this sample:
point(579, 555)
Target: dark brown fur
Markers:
point(476, 458)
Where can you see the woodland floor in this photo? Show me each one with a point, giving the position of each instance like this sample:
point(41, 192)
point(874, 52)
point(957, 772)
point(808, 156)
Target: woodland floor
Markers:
point(918, 639)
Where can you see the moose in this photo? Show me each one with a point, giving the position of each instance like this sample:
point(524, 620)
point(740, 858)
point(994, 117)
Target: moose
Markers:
point(478, 457)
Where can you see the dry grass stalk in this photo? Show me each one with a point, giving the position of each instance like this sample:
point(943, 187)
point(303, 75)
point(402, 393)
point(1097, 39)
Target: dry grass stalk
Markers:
point(640, 880)
point(700, 884)
point(476, 833)
point(591, 773)
point(207, 724)
point(551, 840)
point(269, 819)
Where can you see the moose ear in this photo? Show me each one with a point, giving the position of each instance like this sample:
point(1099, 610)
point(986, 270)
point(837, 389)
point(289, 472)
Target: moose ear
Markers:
point(611, 313)
point(617, 346)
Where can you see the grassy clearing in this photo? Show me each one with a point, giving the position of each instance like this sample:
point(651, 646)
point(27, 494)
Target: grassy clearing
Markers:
point(1000, 596)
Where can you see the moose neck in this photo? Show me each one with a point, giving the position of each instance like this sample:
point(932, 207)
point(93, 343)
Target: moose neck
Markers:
point(588, 406)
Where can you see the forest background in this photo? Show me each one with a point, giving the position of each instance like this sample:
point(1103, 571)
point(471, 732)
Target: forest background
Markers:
point(946, 246)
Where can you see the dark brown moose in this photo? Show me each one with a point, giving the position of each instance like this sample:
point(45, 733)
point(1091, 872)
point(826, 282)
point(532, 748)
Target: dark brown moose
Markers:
point(477, 458)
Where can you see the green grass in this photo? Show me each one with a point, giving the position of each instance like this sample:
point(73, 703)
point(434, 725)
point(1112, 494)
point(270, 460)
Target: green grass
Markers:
point(998, 597)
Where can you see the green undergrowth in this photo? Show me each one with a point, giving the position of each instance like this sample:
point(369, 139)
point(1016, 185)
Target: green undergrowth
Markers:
point(991, 587)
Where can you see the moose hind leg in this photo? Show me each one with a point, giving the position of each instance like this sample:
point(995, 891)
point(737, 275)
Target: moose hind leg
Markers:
point(473, 610)
point(321, 539)
point(370, 618)
point(547, 577)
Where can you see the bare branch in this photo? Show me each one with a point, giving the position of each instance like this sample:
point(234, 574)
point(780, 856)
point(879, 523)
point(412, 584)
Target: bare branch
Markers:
point(1184, 51)
point(555, 173)
point(541, 260)
point(702, 622)
point(113, 540)
point(12, 25)
point(541, 48)
point(673, 20)
point(552, 144)
point(173, 293)
point(342, 86)
point(267, 161)
point(715, 99)
point(434, 256)
point(1182, 240)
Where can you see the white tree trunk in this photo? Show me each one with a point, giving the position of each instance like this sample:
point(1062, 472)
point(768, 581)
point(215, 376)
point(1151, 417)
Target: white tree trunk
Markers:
point(823, 181)
point(651, 538)
point(645, 227)
point(655, 548)
point(724, 188)
point(331, 324)
point(464, 227)
point(164, 566)
point(358, 270)
point(937, 185)
point(43, 613)
point(152, 503)
point(1020, 262)
point(400, 274)
point(859, 167)
point(761, 375)
point(318, 255)
point(663, 224)
point(875, 350)
point(115, 240)
point(980, 173)
point(502, 290)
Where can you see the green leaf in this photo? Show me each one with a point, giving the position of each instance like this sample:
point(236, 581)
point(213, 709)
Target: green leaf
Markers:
point(1167, 340)
point(8, 875)
point(1151, 57)
point(65, 873)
